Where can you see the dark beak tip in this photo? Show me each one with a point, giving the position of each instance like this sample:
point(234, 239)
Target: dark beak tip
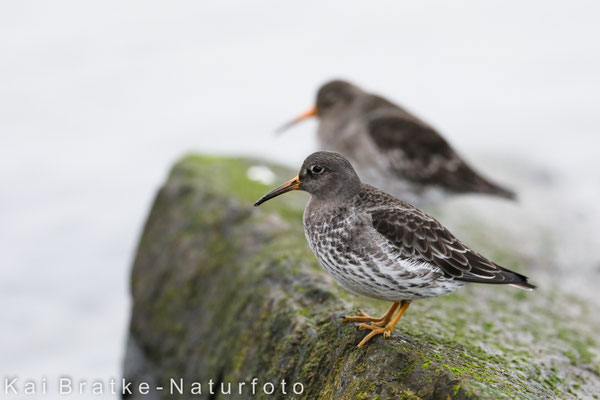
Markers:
point(292, 184)
point(310, 113)
point(279, 131)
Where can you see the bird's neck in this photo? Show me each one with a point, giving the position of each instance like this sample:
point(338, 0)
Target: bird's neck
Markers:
point(328, 206)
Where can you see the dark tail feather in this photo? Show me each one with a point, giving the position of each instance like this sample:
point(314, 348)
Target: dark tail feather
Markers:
point(502, 276)
point(473, 182)
point(524, 286)
point(520, 281)
point(500, 191)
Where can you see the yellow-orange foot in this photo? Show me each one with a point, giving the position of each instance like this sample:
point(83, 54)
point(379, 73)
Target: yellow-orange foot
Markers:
point(361, 317)
point(379, 322)
point(386, 330)
point(375, 330)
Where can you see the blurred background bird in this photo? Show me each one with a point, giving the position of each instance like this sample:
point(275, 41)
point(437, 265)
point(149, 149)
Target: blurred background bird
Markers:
point(392, 148)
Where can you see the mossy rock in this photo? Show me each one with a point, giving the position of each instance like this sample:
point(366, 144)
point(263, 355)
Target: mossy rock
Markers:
point(227, 292)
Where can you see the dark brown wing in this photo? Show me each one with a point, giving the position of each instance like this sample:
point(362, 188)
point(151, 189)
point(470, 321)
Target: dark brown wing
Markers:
point(418, 153)
point(421, 238)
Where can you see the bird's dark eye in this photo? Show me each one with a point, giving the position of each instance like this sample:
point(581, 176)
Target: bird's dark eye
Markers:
point(316, 169)
point(330, 98)
point(327, 100)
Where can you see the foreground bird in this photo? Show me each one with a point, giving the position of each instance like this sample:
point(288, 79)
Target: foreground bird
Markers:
point(390, 147)
point(378, 246)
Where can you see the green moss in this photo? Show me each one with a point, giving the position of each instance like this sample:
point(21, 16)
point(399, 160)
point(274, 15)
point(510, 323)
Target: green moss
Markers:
point(212, 169)
point(456, 388)
point(304, 312)
point(454, 370)
point(408, 395)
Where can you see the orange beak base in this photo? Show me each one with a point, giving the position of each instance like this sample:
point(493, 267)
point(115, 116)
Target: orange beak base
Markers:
point(309, 113)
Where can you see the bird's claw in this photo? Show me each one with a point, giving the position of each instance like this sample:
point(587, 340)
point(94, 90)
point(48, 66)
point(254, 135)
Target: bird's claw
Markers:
point(386, 332)
point(361, 317)
point(367, 326)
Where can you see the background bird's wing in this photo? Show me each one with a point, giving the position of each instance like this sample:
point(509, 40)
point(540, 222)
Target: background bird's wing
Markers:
point(414, 149)
point(416, 152)
point(421, 238)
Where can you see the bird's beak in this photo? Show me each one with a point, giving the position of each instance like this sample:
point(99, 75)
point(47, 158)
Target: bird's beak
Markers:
point(307, 114)
point(292, 184)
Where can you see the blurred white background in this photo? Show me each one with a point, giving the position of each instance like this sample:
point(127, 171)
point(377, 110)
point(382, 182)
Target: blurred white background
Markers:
point(97, 100)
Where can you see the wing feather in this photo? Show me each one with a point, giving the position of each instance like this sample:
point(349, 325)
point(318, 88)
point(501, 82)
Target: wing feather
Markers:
point(417, 152)
point(420, 238)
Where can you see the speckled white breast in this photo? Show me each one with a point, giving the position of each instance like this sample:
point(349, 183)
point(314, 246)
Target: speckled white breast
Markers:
point(363, 262)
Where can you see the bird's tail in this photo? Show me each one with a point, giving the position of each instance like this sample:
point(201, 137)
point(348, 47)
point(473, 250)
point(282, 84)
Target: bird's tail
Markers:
point(524, 286)
point(473, 182)
point(498, 190)
point(520, 281)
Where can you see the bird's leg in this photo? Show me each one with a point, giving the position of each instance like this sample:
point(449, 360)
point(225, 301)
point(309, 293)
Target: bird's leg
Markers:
point(387, 317)
point(387, 330)
point(383, 320)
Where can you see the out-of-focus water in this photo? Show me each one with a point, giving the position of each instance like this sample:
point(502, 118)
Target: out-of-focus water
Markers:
point(98, 99)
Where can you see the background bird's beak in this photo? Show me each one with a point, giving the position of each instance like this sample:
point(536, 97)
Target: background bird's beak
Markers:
point(292, 184)
point(310, 113)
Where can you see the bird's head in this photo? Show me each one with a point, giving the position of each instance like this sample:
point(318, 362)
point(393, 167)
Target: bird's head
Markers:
point(324, 175)
point(333, 98)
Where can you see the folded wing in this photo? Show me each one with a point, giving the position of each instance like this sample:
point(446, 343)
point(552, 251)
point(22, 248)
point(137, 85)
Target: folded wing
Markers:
point(416, 152)
point(421, 238)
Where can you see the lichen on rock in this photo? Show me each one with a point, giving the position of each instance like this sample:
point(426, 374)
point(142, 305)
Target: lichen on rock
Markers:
point(228, 292)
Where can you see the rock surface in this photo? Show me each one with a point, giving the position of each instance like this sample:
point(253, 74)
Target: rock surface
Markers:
point(226, 292)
